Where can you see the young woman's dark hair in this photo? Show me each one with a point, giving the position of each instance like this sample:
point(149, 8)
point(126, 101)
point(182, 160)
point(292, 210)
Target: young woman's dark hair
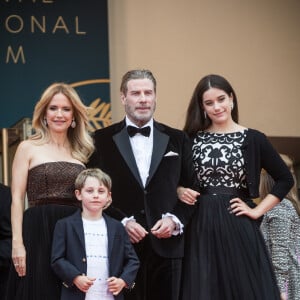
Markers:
point(195, 118)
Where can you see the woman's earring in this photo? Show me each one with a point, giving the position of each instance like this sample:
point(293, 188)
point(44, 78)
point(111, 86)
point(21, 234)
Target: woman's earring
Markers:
point(205, 115)
point(45, 122)
point(232, 106)
point(73, 124)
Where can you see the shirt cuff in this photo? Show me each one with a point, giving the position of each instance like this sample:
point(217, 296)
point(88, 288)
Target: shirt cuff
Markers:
point(178, 225)
point(125, 220)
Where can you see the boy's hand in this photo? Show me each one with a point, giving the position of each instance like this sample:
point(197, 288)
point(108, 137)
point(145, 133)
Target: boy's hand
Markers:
point(115, 285)
point(83, 282)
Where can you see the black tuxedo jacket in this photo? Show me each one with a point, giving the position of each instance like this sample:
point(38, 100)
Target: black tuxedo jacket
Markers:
point(68, 257)
point(171, 166)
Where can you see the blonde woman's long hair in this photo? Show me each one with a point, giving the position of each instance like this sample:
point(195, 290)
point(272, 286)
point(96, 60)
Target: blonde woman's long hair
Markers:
point(267, 182)
point(81, 142)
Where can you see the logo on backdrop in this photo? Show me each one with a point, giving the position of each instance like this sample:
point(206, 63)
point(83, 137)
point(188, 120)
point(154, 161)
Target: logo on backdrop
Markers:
point(100, 112)
point(46, 41)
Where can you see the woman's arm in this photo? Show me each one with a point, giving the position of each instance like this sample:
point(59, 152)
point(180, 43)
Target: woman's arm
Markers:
point(239, 207)
point(18, 188)
point(187, 195)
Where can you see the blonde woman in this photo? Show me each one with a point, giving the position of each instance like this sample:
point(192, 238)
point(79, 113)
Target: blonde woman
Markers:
point(281, 230)
point(45, 167)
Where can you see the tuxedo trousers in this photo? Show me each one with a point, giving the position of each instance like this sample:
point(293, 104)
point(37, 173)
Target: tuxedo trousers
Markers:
point(158, 277)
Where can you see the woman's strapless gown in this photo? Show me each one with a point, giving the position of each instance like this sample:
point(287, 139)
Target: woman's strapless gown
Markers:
point(50, 192)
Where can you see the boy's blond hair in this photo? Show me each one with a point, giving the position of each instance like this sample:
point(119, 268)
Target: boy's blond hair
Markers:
point(93, 172)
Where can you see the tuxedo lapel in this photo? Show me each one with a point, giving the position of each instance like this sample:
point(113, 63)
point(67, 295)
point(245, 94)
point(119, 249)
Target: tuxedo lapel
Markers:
point(111, 232)
point(78, 227)
point(122, 141)
point(160, 142)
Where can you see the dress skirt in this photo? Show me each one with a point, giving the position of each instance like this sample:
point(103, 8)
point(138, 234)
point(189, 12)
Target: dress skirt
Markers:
point(40, 283)
point(225, 258)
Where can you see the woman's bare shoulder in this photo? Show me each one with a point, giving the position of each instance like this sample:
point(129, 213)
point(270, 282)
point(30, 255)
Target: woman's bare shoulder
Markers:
point(28, 145)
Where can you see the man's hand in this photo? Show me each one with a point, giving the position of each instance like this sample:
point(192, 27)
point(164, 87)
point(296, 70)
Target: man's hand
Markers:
point(163, 228)
point(135, 231)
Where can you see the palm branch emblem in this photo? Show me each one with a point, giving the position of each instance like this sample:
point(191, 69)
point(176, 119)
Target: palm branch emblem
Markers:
point(99, 114)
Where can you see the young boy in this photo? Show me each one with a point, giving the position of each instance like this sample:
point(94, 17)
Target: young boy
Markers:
point(91, 252)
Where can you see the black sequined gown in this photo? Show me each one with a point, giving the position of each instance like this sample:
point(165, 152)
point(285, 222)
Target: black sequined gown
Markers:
point(50, 192)
point(225, 258)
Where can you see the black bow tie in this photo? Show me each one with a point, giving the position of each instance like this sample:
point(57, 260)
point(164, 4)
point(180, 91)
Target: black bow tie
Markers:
point(132, 130)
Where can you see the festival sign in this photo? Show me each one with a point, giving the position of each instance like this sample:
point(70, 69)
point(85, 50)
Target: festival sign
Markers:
point(47, 41)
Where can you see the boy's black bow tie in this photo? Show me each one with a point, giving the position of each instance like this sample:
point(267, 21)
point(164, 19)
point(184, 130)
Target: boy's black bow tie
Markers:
point(132, 130)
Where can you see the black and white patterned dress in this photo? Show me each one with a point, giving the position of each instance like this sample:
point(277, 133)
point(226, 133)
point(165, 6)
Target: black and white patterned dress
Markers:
point(225, 258)
point(281, 231)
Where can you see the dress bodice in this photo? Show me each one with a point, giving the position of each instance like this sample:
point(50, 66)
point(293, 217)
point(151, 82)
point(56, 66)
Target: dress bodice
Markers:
point(53, 183)
point(219, 160)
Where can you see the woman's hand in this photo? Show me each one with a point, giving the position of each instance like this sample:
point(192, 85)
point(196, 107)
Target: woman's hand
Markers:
point(19, 259)
point(283, 296)
point(240, 208)
point(187, 195)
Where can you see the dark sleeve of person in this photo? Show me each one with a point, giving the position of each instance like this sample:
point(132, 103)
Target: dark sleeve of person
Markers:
point(131, 261)
point(188, 173)
point(276, 167)
point(5, 226)
point(188, 179)
point(61, 266)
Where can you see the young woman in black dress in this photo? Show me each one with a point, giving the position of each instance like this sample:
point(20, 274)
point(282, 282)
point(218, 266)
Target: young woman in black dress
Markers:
point(226, 258)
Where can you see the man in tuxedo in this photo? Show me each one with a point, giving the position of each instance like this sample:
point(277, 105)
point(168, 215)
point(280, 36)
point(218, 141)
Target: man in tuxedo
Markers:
point(147, 161)
point(5, 236)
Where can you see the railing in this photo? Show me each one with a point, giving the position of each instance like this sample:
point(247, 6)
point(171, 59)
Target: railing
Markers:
point(10, 139)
